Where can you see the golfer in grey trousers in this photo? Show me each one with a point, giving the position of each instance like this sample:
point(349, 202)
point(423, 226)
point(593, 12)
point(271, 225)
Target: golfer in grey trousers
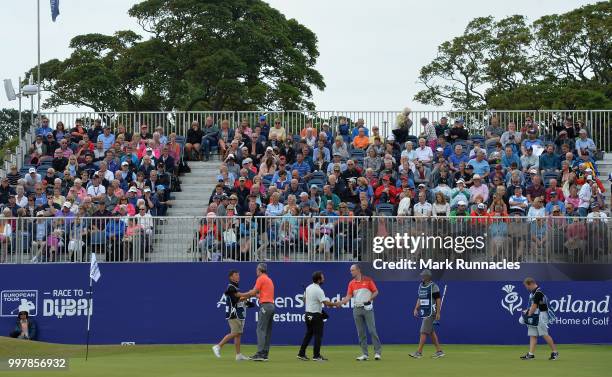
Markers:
point(363, 291)
point(264, 289)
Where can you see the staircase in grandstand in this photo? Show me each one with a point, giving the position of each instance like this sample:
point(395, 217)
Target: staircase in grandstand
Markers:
point(176, 240)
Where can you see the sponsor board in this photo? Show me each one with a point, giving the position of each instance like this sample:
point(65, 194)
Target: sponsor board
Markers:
point(147, 303)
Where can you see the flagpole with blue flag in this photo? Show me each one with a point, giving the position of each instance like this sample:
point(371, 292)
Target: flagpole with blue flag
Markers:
point(54, 9)
point(94, 275)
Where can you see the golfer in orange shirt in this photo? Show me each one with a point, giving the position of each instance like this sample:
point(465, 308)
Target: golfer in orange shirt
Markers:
point(264, 290)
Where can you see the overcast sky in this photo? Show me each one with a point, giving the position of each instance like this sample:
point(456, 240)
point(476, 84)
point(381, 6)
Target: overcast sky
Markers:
point(370, 51)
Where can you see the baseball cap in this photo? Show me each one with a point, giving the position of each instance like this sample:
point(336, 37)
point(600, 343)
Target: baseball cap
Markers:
point(125, 163)
point(461, 203)
point(422, 185)
point(481, 206)
point(231, 155)
point(589, 177)
point(460, 180)
point(242, 179)
point(160, 187)
point(67, 205)
point(531, 131)
point(133, 189)
point(220, 178)
point(459, 120)
point(32, 170)
point(269, 149)
point(439, 149)
point(425, 272)
point(262, 118)
point(146, 189)
point(149, 149)
point(469, 166)
point(476, 176)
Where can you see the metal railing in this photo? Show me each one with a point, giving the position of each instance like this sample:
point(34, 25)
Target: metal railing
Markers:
point(300, 238)
point(598, 122)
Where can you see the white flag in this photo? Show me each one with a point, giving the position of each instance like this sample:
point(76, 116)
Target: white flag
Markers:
point(94, 270)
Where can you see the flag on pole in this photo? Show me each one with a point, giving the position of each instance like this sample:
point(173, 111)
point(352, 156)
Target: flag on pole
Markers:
point(94, 270)
point(54, 9)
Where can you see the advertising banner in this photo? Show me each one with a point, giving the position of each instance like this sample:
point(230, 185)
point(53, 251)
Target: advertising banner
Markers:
point(184, 303)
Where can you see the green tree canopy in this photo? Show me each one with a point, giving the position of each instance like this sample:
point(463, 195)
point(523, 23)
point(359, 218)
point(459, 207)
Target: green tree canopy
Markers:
point(559, 61)
point(201, 54)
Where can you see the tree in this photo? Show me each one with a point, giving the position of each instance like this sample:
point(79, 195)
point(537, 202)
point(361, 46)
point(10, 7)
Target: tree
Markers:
point(560, 61)
point(202, 54)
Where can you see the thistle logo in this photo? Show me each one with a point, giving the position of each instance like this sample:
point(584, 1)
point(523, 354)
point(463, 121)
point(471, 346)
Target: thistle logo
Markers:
point(512, 301)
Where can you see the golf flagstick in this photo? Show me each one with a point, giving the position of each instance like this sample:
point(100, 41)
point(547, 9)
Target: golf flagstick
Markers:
point(94, 275)
point(89, 316)
point(441, 303)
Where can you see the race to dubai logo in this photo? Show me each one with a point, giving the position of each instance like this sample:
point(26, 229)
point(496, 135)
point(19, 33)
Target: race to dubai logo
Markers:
point(512, 301)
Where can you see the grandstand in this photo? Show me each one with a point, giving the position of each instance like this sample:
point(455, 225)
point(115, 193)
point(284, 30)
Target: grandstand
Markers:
point(307, 185)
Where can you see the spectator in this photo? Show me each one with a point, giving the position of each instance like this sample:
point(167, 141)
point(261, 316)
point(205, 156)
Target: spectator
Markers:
point(361, 140)
point(25, 327)
point(424, 153)
point(493, 132)
point(584, 144)
point(458, 132)
point(478, 189)
point(193, 141)
point(480, 164)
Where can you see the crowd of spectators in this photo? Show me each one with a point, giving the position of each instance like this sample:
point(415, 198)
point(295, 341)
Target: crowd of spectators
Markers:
point(102, 186)
point(97, 187)
point(335, 174)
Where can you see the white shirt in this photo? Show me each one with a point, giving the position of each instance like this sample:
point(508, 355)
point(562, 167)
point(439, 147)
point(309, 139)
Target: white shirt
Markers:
point(96, 191)
point(585, 194)
point(314, 297)
point(424, 154)
point(404, 207)
point(599, 215)
point(422, 209)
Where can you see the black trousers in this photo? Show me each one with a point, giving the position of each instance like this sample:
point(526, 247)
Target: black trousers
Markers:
point(314, 327)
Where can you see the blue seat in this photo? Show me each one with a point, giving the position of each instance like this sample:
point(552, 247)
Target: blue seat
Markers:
point(318, 175)
point(384, 209)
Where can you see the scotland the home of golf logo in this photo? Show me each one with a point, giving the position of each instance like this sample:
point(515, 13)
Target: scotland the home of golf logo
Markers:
point(14, 301)
point(512, 302)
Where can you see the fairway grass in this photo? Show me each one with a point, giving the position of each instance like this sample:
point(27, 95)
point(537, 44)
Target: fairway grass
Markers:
point(198, 360)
